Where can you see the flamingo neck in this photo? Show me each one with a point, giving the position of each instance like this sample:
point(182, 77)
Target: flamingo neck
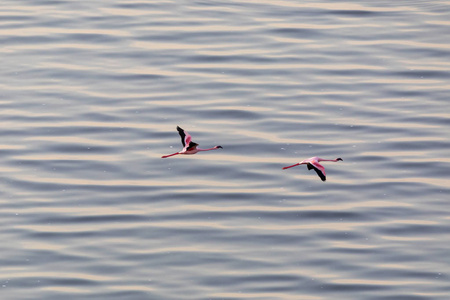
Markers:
point(207, 149)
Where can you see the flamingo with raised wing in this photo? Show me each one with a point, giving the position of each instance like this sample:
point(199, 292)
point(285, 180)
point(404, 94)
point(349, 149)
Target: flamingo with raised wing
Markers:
point(189, 147)
point(313, 163)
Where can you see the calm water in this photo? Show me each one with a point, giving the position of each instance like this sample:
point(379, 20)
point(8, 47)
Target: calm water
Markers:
point(91, 93)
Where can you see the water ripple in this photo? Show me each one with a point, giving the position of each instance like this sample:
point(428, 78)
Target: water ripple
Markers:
point(91, 94)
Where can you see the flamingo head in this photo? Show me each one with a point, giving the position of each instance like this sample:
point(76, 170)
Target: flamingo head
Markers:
point(218, 147)
point(339, 159)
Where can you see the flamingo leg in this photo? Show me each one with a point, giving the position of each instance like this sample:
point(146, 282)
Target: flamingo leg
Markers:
point(165, 156)
point(291, 166)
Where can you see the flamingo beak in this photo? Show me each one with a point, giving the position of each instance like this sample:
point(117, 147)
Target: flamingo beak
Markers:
point(219, 147)
point(339, 159)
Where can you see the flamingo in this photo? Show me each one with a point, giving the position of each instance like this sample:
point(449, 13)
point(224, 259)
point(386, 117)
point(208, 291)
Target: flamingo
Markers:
point(313, 163)
point(189, 147)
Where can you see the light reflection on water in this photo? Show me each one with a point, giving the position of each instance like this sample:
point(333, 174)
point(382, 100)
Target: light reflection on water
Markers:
point(91, 94)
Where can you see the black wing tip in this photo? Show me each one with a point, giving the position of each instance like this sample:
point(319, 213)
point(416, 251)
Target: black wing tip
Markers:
point(182, 135)
point(310, 167)
point(323, 177)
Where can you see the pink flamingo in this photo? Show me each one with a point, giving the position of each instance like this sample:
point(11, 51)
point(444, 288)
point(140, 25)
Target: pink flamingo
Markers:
point(313, 163)
point(189, 147)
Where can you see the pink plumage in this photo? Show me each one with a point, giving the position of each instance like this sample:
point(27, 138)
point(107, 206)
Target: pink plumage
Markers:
point(189, 147)
point(313, 163)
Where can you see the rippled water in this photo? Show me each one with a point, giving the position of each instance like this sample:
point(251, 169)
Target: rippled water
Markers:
point(91, 93)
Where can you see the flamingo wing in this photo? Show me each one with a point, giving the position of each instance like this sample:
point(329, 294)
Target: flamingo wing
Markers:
point(191, 146)
point(320, 170)
point(185, 137)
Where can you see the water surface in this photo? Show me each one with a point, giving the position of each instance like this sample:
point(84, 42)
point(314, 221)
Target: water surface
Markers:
point(90, 97)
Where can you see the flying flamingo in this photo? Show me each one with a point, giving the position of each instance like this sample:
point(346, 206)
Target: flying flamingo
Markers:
point(313, 163)
point(189, 147)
